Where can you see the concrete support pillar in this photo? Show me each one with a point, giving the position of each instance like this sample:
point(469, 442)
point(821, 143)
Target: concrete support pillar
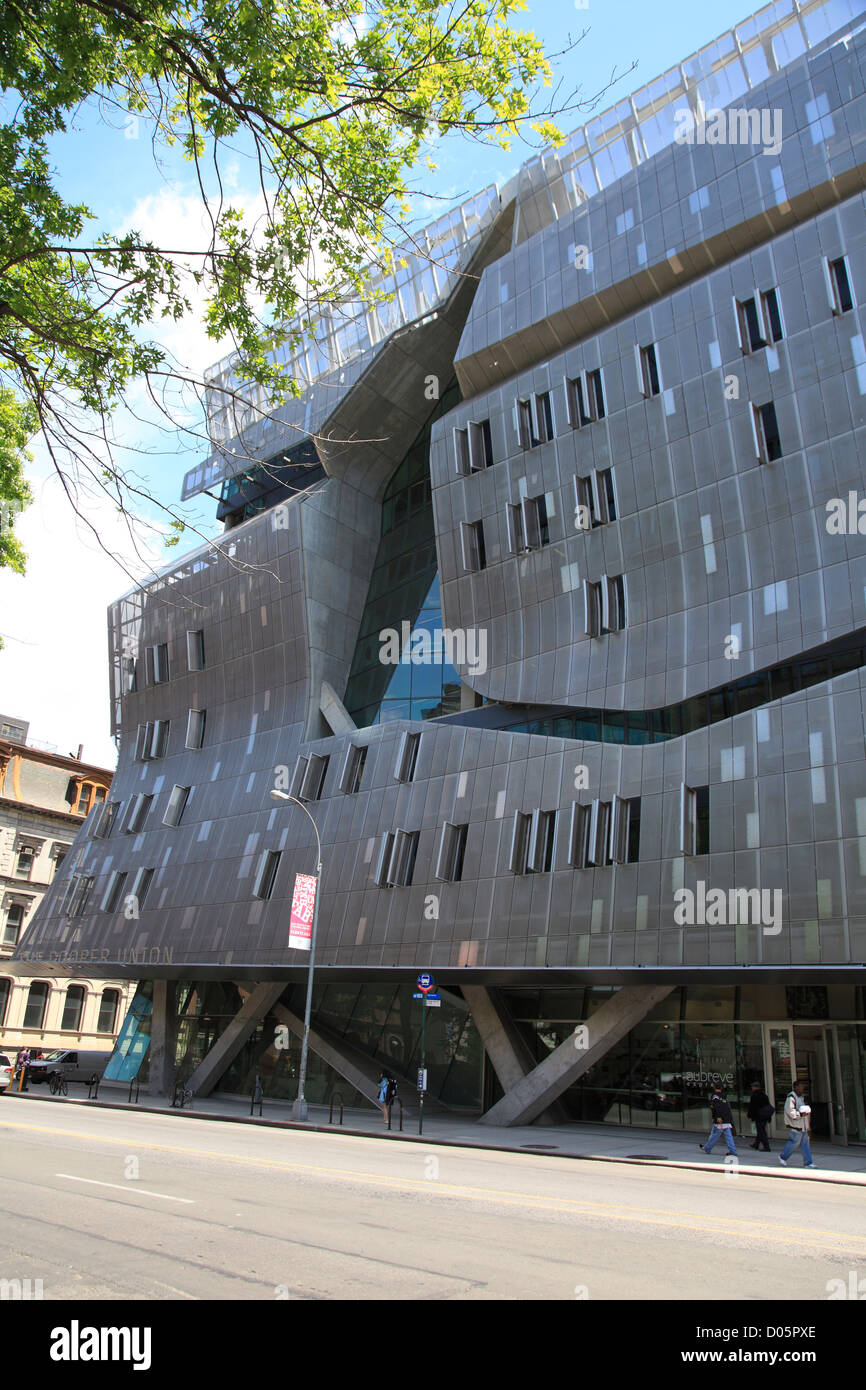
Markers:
point(509, 1054)
point(163, 1037)
point(363, 1074)
point(260, 1000)
point(526, 1100)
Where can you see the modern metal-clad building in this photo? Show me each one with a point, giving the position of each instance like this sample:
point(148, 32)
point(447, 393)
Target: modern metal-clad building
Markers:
point(547, 598)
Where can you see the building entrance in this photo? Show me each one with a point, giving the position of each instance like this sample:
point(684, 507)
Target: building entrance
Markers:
point(831, 1059)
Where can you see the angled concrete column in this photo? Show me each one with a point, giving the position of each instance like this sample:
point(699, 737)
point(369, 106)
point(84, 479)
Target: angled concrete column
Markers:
point(359, 1071)
point(332, 707)
point(509, 1055)
point(525, 1101)
point(258, 1002)
point(163, 1036)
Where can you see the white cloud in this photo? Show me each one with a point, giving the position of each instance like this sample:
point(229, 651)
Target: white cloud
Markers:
point(54, 664)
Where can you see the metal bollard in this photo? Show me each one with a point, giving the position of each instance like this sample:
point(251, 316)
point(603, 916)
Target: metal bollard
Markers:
point(134, 1082)
point(256, 1097)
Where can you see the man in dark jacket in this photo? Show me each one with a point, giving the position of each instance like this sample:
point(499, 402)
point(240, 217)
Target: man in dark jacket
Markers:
point(761, 1109)
point(723, 1122)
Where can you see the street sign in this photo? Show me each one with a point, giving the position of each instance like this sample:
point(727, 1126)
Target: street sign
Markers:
point(432, 1003)
point(428, 997)
point(417, 996)
point(425, 982)
point(422, 1078)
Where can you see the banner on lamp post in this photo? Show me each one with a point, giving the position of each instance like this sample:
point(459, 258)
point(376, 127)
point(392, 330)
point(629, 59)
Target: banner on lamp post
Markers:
point(303, 906)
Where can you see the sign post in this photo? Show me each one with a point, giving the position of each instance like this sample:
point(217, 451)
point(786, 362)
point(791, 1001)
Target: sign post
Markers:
point(426, 985)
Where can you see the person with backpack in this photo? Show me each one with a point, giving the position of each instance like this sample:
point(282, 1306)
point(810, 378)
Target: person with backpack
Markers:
point(387, 1095)
point(761, 1110)
point(723, 1122)
point(797, 1114)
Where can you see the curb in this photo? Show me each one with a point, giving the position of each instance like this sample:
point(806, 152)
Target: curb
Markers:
point(820, 1176)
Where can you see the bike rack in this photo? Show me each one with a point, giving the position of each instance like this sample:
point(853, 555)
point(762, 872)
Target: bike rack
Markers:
point(399, 1102)
point(256, 1096)
point(182, 1096)
point(331, 1108)
point(93, 1087)
point(134, 1082)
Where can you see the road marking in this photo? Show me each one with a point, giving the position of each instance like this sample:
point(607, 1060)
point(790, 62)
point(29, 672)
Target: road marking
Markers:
point(127, 1187)
point(568, 1205)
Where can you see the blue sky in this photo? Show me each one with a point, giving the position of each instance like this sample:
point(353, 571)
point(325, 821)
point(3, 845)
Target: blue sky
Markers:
point(116, 176)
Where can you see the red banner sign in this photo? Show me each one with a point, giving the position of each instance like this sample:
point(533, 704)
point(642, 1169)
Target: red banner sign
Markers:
point(303, 906)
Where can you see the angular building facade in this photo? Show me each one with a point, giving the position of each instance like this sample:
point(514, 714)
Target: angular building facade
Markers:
point(547, 599)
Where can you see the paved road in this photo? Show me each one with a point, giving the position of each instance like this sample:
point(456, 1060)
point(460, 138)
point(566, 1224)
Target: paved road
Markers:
point(110, 1205)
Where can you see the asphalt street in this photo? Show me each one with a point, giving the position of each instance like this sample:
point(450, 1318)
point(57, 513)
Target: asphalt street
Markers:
point(110, 1205)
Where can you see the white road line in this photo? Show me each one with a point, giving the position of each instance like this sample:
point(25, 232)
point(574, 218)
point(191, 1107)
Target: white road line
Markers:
point(127, 1187)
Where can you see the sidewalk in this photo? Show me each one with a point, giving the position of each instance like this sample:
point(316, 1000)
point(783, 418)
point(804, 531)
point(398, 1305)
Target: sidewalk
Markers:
point(599, 1143)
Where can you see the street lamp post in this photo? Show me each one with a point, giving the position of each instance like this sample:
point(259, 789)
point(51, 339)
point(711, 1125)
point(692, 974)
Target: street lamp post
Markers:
point(299, 1109)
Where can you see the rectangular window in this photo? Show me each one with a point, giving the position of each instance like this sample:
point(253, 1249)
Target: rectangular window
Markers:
point(140, 885)
point(314, 777)
point(396, 862)
point(156, 661)
point(111, 896)
point(266, 873)
point(599, 834)
point(595, 499)
point(523, 424)
point(624, 842)
point(839, 285)
point(195, 651)
point(298, 776)
point(195, 728)
point(612, 603)
point(407, 757)
point(480, 446)
point(584, 399)
point(766, 431)
point(176, 805)
point(759, 321)
point(695, 820)
point(107, 1017)
point(24, 862)
point(591, 608)
point(474, 553)
point(540, 842)
point(544, 430)
point(83, 885)
point(528, 527)
point(13, 924)
point(73, 1005)
point(138, 809)
point(353, 768)
point(578, 842)
point(143, 741)
point(648, 370)
point(159, 738)
point(461, 451)
point(107, 817)
point(517, 857)
point(452, 848)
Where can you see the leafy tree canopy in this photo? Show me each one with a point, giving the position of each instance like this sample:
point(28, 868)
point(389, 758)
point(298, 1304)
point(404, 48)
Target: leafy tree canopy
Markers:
point(330, 101)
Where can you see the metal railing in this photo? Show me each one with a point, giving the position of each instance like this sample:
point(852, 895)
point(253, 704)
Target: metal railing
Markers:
point(334, 1097)
point(396, 1101)
point(134, 1083)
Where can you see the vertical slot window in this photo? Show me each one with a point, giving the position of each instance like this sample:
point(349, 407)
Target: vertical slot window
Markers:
point(176, 805)
point(195, 651)
point(353, 768)
point(266, 874)
point(474, 551)
point(766, 430)
point(839, 285)
point(452, 848)
point(195, 722)
point(407, 757)
point(649, 370)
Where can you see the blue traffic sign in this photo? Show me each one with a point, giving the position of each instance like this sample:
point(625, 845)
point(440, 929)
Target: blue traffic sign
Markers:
point(425, 982)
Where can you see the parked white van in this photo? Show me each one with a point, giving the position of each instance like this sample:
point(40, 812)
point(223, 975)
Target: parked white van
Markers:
point(73, 1064)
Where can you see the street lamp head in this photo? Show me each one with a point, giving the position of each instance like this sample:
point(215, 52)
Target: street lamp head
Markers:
point(280, 796)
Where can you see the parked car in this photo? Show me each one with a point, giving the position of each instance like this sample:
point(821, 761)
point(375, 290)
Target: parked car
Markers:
point(73, 1064)
point(6, 1071)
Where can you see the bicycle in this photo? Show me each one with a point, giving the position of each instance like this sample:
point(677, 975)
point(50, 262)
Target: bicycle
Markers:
point(59, 1085)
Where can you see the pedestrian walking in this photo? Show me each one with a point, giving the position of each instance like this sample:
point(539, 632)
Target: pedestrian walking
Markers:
point(761, 1110)
point(723, 1122)
point(797, 1118)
